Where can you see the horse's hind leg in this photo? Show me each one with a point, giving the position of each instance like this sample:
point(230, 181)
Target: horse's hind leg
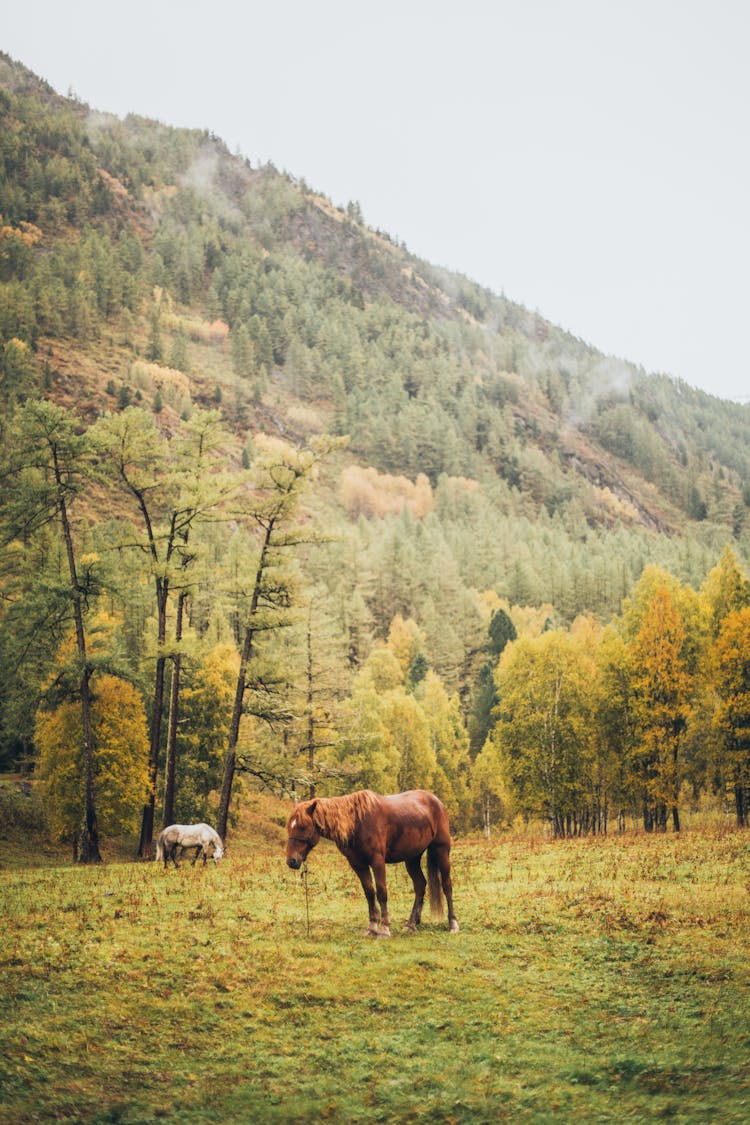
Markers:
point(414, 867)
point(173, 854)
point(442, 853)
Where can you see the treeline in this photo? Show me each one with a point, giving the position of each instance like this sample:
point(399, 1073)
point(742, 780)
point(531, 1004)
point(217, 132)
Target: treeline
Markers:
point(585, 728)
point(172, 621)
point(642, 717)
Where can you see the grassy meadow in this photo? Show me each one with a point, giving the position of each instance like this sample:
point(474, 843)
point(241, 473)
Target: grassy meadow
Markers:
point(592, 980)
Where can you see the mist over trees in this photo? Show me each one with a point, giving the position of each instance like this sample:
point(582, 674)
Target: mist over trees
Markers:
point(317, 515)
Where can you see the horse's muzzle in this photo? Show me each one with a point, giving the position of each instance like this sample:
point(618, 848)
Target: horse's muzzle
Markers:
point(294, 862)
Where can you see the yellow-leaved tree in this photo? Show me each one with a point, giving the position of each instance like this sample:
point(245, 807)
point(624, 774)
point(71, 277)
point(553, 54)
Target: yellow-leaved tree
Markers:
point(120, 759)
point(407, 725)
point(365, 753)
point(665, 625)
point(490, 793)
point(545, 728)
point(406, 641)
point(661, 690)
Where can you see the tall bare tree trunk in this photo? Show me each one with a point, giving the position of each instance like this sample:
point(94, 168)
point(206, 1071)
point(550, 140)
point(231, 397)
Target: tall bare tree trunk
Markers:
point(174, 707)
point(88, 851)
point(230, 760)
point(146, 842)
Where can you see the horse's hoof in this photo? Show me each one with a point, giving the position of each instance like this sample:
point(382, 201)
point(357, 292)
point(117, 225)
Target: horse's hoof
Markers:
point(410, 927)
point(371, 933)
point(384, 933)
point(453, 928)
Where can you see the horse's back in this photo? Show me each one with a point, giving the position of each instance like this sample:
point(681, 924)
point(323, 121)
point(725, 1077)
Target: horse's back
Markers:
point(415, 820)
point(208, 832)
point(416, 803)
point(189, 834)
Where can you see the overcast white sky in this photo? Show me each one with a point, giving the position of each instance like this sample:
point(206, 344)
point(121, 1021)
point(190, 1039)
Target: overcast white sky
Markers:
point(588, 158)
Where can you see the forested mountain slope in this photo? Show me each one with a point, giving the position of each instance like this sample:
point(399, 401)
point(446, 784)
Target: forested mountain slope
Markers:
point(131, 240)
point(491, 455)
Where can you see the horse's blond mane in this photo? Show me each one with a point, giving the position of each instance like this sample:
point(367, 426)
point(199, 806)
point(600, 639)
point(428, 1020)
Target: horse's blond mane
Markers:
point(337, 817)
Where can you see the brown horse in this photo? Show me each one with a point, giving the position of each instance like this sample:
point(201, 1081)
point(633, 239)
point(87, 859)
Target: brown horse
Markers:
point(371, 831)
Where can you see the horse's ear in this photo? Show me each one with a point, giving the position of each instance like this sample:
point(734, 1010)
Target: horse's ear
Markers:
point(311, 806)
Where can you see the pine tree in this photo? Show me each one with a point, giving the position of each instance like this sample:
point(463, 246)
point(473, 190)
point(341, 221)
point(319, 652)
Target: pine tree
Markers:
point(44, 473)
point(281, 476)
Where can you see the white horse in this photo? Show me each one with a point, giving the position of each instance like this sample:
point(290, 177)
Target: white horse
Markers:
point(198, 836)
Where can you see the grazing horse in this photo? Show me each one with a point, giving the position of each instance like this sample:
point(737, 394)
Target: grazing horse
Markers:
point(198, 836)
point(371, 831)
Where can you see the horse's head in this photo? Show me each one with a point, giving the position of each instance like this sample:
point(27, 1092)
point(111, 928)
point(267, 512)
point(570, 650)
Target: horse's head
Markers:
point(218, 852)
point(302, 834)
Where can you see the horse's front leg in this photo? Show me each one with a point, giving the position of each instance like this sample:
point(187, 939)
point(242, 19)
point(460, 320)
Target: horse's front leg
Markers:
point(365, 878)
point(414, 867)
point(378, 870)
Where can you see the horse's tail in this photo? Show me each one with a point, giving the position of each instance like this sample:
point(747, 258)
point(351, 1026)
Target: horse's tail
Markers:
point(160, 848)
point(433, 882)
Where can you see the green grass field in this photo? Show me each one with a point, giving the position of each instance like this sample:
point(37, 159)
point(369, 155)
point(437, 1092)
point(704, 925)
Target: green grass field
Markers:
point(592, 980)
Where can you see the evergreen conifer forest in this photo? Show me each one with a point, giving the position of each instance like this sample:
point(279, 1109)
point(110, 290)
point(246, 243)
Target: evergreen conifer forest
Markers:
point(287, 508)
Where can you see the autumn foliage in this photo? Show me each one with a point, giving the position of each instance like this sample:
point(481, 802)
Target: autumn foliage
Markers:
point(366, 492)
point(120, 758)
